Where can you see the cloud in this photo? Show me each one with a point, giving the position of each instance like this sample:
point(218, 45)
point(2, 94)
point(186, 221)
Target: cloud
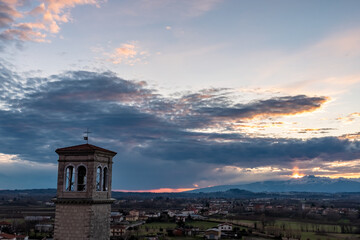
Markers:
point(349, 118)
point(9, 160)
point(288, 105)
point(351, 136)
point(231, 174)
point(23, 32)
point(253, 152)
point(35, 24)
point(127, 53)
point(54, 13)
point(187, 130)
point(8, 13)
point(22, 22)
point(315, 130)
point(18, 173)
point(215, 108)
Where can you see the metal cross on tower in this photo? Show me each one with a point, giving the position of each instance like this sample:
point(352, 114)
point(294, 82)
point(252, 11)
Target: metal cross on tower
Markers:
point(87, 135)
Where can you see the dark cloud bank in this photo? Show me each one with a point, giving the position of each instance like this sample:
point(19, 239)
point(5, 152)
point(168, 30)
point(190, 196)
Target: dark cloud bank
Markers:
point(42, 114)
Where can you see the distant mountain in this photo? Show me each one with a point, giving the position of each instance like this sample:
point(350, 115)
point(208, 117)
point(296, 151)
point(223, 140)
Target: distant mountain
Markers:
point(26, 196)
point(305, 184)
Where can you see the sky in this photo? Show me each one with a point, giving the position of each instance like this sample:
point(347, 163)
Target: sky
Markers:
point(190, 93)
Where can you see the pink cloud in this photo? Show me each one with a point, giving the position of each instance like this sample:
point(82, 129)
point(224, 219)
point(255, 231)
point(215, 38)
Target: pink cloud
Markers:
point(23, 33)
point(127, 53)
point(55, 12)
point(349, 118)
point(45, 18)
point(8, 13)
point(38, 10)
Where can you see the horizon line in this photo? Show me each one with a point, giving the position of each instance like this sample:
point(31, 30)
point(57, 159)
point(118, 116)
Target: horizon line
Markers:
point(157, 190)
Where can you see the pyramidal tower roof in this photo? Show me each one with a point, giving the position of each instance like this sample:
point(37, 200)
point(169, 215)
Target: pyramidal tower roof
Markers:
point(83, 148)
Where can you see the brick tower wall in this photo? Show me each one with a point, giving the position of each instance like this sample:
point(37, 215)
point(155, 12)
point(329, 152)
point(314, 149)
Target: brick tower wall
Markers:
point(82, 222)
point(100, 221)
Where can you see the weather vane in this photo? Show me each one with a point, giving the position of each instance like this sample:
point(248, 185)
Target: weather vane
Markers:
point(87, 135)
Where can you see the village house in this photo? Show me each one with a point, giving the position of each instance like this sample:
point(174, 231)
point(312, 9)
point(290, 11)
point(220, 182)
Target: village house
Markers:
point(188, 212)
point(134, 213)
point(49, 204)
point(212, 212)
point(143, 217)
point(116, 217)
point(178, 232)
point(213, 233)
point(152, 238)
point(131, 218)
point(181, 217)
point(118, 230)
point(250, 207)
point(225, 227)
point(4, 225)
point(22, 237)
point(6, 236)
point(197, 217)
point(37, 218)
point(259, 207)
point(154, 215)
point(44, 228)
point(171, 213)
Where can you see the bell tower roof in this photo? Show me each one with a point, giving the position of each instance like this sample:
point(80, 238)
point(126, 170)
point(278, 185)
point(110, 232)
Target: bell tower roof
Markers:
point(83, 148)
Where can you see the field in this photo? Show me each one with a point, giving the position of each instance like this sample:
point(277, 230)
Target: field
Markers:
point(155, 227)
point(311, 231)
point(329, 236)
point(291, 227)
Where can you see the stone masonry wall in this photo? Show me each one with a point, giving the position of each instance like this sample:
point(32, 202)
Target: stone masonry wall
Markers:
point(82, 222)
point(72, 222)
point(100, 222)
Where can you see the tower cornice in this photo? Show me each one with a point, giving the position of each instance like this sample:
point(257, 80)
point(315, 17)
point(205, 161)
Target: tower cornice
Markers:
point(83, 149)
point(82, 201)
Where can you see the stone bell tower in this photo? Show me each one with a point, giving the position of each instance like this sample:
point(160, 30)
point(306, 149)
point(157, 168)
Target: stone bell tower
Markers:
point(83, 199)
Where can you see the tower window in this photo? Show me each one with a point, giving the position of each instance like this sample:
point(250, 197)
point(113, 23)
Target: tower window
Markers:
point(105, 179)
point(69, 179)
point(98, 179)
point(81, 184)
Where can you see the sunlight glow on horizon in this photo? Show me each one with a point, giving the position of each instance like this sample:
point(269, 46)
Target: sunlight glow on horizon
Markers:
point(296, 173)
point(159, 190)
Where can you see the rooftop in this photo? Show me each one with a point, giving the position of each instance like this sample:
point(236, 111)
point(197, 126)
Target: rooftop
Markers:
point(4, 223)
point(83, 148)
